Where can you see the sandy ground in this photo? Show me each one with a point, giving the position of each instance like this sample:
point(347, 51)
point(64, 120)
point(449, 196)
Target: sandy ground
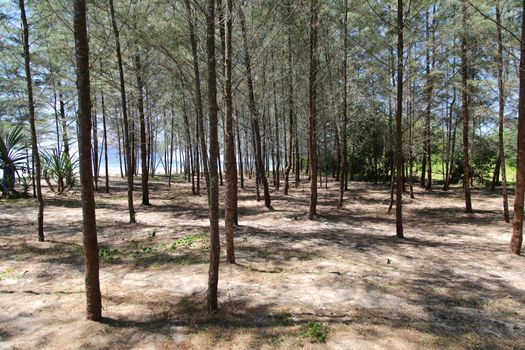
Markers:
point(449, 284)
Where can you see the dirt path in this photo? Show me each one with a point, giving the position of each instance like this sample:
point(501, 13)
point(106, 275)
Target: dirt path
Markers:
point(345, 277)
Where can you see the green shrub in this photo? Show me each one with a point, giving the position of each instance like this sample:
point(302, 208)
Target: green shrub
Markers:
point(316, 331)
point(108, 255)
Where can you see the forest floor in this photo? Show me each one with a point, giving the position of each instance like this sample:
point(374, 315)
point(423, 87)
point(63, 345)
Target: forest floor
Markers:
point(343, 281)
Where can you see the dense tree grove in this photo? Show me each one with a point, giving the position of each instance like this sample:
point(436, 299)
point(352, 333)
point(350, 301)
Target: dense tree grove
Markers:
point(406, 93)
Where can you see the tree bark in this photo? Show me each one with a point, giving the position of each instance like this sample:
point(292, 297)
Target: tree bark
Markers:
point(399, 121)
point(259, 164)
point(428, 110)
point(277, 163)
point(312, 106)
point(32, 122)
point(65, 137)
point(289, 158)
point(95, 146)
point(91, 263)
point(213, 199)
point(464, 111)
point(517, 221)
point(344, 117)
point(127, 142)
point(198, 94)
point(143, 146)
point(239, 148)
point(501, 99)
point(106, 165)
point(229, 138)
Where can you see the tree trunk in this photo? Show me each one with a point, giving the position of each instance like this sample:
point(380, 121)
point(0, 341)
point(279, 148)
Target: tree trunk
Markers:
point(91, 263)
point(95, 147)
point(428, 110)
point(65, 137)
point(143, 149)
point(106, 165)
point(517, 221)
point(171, 147)
point(451, 140)
point(119, 146)
point(213, 200)
point(239, 148)
point(259, 164)
point(277, 163)
point(127, 143)
point(229, 138)
point(289, 159)
point(312, 106)
point(190, 157)
point(399, 121)
point(198, 95)
point(501, 99)
point(344, 117)
point(32, 122)
point(464, 111)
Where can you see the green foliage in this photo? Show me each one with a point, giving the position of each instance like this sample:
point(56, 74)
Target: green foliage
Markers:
point(6, 273)
point(59, 170)
point(316, 331)
point(188, 241)
point(12, 158)
point(108, 255)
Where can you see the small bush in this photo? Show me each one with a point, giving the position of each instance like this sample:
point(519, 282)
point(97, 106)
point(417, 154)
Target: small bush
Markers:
point(316, 331)
point(108, 255)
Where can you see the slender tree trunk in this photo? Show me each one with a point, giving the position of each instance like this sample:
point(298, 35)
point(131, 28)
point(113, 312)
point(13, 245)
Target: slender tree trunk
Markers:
point(32, 122)
point(451, 140)
point(410, 113)
point(501, 99)
point(106, 165)
point(119, 146)
point(344, 118)
point(91, 263)
point(428, 111)
point(229, 138)
point(190, 158)
point(239, 148)
point(143, 149)
point(95, 147)
point(399, 121)
point(127, 143)
point(517, 221)
point(171, 147)
point(289, 158)
point(197, 161)
point(277, 163)
point(57, 130)
point(497, 167)
point(259, 164)
point(257, 173)
point(298, 165)
point(221, 183)
point(312, 117)
point(198, 95)
point(213, 276)
point(63, 120)
point(465, 114)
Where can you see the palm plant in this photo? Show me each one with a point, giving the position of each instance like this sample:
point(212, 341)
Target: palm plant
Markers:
point(59, 170)
point(12, 158)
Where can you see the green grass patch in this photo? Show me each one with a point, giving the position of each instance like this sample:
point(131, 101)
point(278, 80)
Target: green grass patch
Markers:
point(4, 274)
point(108, 255)
point(188, 241)
point(316, 331)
